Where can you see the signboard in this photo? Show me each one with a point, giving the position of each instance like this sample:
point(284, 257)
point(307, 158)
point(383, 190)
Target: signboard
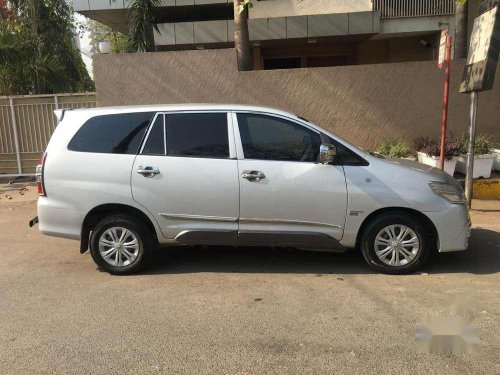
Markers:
point(442, 48)
point(480, 68)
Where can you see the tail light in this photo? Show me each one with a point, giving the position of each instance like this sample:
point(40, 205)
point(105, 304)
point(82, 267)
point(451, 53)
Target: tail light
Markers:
point(39, 175)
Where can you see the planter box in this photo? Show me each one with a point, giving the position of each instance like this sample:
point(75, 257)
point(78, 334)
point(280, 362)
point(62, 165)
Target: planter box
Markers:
point(496, 162)
point(411, 158)
point(449, 165)
point(482, 165)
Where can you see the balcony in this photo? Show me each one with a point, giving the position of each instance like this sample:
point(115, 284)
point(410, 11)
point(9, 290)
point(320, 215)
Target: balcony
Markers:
point(413, 8)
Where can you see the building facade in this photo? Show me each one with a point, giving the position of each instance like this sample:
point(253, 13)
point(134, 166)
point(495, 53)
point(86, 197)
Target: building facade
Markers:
point(297, 33)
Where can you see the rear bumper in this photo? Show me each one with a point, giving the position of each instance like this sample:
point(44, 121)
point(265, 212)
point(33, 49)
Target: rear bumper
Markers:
point(453, 227)
point(58, 221)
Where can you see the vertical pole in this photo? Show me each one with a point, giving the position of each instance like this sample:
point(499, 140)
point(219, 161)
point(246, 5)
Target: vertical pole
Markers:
point(56, 101)
point(471, 148)
point(16, 138)
point(446, 95)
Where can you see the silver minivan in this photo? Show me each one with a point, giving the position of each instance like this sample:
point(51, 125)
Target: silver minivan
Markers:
point(126, 180)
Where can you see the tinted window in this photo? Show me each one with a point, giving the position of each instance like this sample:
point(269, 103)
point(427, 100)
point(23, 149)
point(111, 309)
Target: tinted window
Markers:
point(347, 157)
point(115, 134)
point(272, 138)
point(155, 145)
point(197, 135)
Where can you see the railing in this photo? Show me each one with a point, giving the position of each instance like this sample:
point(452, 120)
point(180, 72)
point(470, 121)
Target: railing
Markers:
point(413, 8)
point(26, 124)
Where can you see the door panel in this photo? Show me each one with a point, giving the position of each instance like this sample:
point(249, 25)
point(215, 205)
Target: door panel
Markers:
point(296, 197)
point(190, 182)
point(283, 188)
point(188, 193)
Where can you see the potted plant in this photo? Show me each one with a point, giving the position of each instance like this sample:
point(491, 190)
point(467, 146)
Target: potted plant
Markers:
point(398, 150)
point(483, 158)
point(429, 150)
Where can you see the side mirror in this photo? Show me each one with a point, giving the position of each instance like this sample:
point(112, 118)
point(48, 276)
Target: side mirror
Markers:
point(327, 153)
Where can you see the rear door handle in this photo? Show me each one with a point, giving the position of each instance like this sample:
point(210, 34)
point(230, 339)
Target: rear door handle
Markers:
point(148, 171)
point(253, 176)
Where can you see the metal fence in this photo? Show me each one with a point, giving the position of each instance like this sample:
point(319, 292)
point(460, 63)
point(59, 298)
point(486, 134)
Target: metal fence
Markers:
point(26, 124)
point(413, 8)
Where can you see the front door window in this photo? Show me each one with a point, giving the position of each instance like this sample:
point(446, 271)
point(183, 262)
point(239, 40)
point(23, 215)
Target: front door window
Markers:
point(273, 138)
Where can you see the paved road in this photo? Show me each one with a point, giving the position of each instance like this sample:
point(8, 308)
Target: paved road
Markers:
point(234, 311)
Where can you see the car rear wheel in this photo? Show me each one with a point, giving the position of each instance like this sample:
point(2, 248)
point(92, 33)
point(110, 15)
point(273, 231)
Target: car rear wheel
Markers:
point(395, 243)
point(120, 244)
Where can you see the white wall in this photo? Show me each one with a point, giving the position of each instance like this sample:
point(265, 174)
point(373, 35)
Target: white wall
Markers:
point(286, 8)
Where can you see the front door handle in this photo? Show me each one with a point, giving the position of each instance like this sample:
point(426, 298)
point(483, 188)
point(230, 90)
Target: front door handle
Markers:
point(148, 171)
point(253, 176)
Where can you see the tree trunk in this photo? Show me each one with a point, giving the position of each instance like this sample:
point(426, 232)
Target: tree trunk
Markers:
point(461, 19)
point(151, 40)
point(242, 38)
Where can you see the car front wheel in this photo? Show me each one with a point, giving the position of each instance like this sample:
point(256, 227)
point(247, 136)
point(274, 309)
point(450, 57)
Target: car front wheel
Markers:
point(395, 243)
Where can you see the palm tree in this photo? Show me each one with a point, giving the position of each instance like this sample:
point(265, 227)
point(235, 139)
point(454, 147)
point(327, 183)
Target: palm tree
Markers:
point(142, 18)
point(38, 53)
point(143, 21)
point(241, 35)
point(22, 71)
point(461, 20)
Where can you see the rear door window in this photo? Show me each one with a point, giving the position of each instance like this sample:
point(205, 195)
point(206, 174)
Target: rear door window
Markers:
point(202, 135)
point(114, 134)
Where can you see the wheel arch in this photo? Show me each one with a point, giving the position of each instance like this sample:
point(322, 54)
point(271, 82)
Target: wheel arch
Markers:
point(409, 211)
point(99, 212)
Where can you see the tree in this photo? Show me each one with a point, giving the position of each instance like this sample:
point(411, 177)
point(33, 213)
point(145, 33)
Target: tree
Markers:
point(39, 53)
point(99, 32)
point(142, 20)
point(461, 20)
point(241, 35)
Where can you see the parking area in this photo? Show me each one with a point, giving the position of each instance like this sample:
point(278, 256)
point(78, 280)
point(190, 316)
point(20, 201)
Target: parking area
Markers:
point(234, 311)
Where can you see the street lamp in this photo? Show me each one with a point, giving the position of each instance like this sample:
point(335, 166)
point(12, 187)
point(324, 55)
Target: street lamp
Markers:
point(105, 46)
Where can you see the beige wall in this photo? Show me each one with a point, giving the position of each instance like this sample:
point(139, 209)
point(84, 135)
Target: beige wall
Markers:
point(363, 103)
point(402, 49)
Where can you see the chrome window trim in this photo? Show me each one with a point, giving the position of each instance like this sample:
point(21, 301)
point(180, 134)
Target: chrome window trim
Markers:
point(230, 134)
point(164, 134)
point(229, 121)
point(151, 124)
point(241, 154)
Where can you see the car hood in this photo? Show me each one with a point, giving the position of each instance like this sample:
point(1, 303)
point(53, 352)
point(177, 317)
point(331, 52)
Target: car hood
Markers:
point(409, 166)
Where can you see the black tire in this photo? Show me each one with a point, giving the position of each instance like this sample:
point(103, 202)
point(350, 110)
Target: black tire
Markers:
point(138, 229)
point(370, 233)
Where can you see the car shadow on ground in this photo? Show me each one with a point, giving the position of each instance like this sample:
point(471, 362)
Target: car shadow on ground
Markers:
point(483, 257)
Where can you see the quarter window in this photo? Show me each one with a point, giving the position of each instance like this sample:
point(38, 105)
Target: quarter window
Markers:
point(347, 157)
point(115, 134)
point(155, 145)
point(272, 138)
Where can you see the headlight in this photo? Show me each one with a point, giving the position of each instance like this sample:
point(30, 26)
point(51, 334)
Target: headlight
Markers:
point(452, 193)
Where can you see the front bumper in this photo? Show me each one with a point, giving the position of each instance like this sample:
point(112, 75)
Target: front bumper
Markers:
point(453, 227)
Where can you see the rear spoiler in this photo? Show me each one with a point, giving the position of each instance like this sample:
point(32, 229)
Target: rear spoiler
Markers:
point(60, 113)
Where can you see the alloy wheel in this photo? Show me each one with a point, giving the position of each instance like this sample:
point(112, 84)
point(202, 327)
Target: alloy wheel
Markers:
point(118, 246)
point(397, 245)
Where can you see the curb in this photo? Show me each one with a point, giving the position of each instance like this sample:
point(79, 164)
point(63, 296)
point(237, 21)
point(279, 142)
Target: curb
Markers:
point(486, 189)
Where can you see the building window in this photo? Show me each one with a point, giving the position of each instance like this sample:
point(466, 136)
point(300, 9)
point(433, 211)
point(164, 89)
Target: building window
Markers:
point(283, 63)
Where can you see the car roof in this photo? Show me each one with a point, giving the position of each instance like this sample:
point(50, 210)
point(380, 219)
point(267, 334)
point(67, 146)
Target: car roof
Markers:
point(184, 107)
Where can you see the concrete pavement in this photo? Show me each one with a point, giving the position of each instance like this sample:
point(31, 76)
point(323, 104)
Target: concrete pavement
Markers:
point(234, 311)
